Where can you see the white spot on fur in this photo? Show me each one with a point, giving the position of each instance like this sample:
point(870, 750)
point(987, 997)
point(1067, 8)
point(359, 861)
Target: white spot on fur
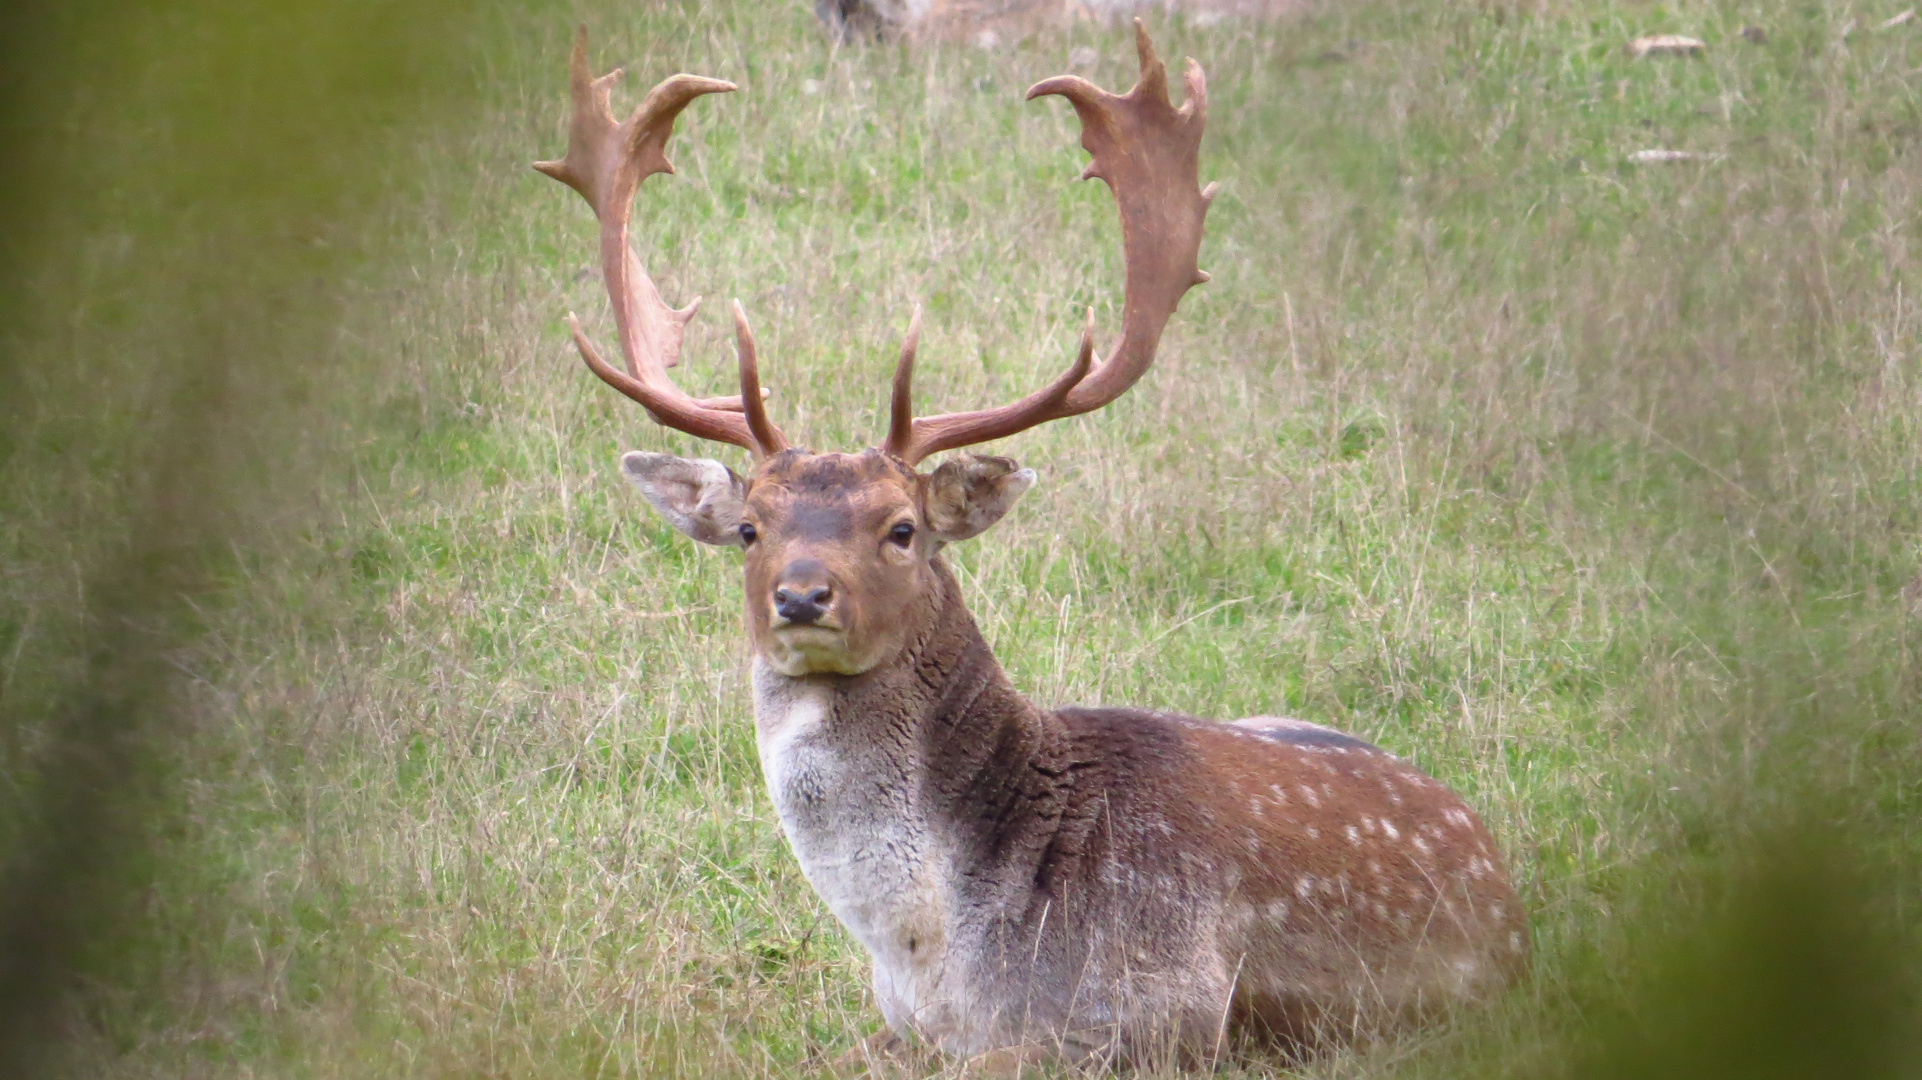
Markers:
point(1515, 941)
point(1309, 794)
point(1305, 886)
point(1354, 835)
point(1388, 827)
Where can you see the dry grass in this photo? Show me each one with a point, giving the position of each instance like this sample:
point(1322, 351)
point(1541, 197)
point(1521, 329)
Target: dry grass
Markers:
point(1584, 485)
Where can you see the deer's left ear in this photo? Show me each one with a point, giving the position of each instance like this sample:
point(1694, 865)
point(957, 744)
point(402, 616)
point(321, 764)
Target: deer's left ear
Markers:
point(971, 492)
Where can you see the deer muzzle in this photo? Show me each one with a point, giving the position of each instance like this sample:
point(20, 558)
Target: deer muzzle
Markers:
point(804, 595)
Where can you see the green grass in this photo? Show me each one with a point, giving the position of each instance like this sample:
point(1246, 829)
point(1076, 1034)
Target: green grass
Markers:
point(1593, 488)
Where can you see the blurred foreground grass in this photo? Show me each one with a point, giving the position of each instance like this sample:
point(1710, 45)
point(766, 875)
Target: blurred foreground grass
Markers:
point(360, 722)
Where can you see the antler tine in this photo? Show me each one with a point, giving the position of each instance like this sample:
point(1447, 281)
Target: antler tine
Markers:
point(901, 407)
point(913, 440)
point(1148, 153)
point(606, 162)
point(766, 435)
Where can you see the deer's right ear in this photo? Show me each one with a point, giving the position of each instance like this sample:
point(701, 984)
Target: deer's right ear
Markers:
point(700, 497)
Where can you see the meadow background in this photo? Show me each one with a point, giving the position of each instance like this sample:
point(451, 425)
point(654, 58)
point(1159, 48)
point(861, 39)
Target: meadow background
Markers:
point(360, 721)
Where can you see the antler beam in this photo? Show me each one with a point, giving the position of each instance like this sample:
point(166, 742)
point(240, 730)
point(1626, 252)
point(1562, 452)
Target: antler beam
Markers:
point(606, 162)
point(1148, 152)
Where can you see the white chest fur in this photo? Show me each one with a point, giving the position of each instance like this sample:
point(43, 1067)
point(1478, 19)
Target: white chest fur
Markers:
point(852, 812)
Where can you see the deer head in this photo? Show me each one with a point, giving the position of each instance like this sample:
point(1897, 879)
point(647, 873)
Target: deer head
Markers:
point(842, 550)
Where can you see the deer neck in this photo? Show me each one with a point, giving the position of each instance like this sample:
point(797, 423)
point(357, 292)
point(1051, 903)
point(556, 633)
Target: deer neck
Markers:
point(917, 742)
point(895, 789)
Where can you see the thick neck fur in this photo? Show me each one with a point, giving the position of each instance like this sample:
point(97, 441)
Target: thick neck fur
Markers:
point(944, 719)
point(910, 795)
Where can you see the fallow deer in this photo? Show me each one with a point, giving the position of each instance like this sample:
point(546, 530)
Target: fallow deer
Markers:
point(1096, 884)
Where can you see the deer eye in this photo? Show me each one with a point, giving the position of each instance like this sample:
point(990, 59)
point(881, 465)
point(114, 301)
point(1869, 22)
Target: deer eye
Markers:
point(902, 534)
point(747, 534)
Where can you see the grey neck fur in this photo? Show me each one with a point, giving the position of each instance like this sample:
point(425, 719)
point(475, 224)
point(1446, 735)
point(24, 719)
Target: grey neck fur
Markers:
point(902, 791)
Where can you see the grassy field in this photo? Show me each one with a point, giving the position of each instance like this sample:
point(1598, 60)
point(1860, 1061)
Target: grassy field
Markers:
point(1591, 487)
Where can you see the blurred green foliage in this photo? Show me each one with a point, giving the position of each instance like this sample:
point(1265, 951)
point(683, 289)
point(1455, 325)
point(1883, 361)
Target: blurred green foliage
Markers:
point(181, 189)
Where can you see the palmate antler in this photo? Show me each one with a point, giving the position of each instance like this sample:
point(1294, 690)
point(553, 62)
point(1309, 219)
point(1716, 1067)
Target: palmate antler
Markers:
point(1147, 150)
point(606, 162)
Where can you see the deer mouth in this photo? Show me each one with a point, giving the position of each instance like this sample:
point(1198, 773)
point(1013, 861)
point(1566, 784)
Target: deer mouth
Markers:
point(816, 648)
point(825, 627)
point(825, 623)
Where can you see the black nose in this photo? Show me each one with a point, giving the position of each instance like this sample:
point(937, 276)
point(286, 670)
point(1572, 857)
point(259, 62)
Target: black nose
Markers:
point(802, 605)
